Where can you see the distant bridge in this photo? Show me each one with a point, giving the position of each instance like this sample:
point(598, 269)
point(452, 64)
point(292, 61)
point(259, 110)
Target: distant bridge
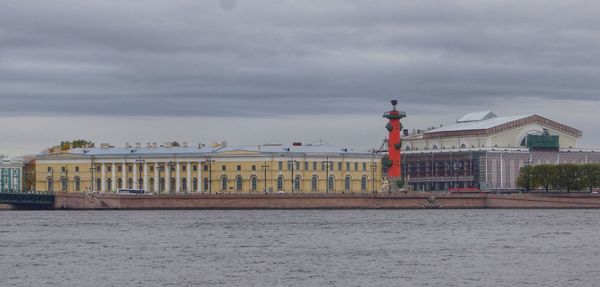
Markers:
point(27, 198)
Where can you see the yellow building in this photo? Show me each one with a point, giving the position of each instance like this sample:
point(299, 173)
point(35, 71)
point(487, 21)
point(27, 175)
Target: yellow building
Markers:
point(175, 169)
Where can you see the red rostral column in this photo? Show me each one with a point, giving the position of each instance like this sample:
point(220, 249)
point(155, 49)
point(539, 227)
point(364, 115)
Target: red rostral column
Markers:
point(394, 128)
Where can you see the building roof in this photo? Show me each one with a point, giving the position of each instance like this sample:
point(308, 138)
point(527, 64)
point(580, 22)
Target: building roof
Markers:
point(319, 148)
point(477, 116)
point(477, 125)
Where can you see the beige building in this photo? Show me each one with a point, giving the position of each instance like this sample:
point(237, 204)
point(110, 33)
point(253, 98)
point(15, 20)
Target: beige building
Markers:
point(486, 130)
point(314, 167)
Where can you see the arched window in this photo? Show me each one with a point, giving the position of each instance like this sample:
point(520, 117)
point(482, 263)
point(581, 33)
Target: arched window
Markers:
point(184, 183)
point(130, 183)
point(172, 186)
point(463, 146)
point(331, 183)
point(347, 183)
point(239, 183)
point(98, 184)
point(363, 183)
point(224, 183)
point(280, 183)
point(77, 183)
point(434, 147)
point(109, 183)
point(314, 183)
point(119, 183)
point(151, 187)
point(206, 184)
point(63, 183)
point(195, 184)
point(297, 181)
point(161, 184)
point(50, 185)
point(254, 183)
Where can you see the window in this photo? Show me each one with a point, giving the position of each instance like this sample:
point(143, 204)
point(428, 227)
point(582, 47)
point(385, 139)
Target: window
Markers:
point(130, 168)
point(238, 183)
point(306, 165)
point(314, 165)
point(253, 167)
point(280, 183)
point(77, 183)
point(184, 167)
point(280, 165)
point(151, 187)
point(76, 169)
point(205, 167)
point(356, 166)
point(172, 186)
point(152, 168)
point(254, 183)
point(109, 183)
point(63, 184)
point(120, 168)
point(130, 183)
point(184, 183)
point(119, 183)
point(224, 183)
point(195, 183)
point(364, 166)
point(50, 184)
point(223, 168)
point(347, 183)
point(239, 168)
point(98, 184)
point(109, 168)
point(62, 168)
point(194, 168)
point(314, 183)
point(161, 184)
point(97, 167)
point(205, 183)
point(339, 166)
point(331, 183)
point(363, 183)
point(297, 183)
point(49, 169)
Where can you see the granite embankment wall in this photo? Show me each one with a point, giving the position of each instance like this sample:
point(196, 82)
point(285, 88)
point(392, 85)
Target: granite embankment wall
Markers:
point(323, 201)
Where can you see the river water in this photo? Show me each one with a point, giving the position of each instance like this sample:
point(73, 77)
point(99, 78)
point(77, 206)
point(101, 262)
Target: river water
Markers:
point(300, 248)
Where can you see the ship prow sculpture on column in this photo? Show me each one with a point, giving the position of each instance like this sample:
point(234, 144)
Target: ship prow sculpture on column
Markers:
point(392, 160)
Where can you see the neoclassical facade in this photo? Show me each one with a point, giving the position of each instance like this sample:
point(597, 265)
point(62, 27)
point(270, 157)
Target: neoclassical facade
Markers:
point(264, 168)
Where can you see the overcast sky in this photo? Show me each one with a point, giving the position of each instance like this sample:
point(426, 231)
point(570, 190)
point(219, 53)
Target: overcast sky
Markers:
point(252, 71)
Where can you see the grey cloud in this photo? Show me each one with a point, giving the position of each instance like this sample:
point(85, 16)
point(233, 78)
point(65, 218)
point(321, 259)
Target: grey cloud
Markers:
point(278, 58)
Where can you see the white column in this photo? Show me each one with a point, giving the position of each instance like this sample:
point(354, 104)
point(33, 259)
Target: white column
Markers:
point(135, 176)
point(167, 177)
point(124, 170)
point(113, 186)
point(103, 182)
point(177, 177)
point(145, 176)
point(156, 177)
point(189, 177)
point(200, 179)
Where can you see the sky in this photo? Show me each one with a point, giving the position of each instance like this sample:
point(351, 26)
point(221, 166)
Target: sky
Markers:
point(251, 72)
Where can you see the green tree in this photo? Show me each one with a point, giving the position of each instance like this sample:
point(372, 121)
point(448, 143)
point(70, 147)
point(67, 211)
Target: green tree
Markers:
point(543, 176)
point(589, 176)
point(80, 143)
point(525, 179)
point(568, 177)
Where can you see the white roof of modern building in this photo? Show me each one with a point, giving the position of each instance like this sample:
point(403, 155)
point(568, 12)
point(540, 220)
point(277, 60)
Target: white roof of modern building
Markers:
point(486, 123)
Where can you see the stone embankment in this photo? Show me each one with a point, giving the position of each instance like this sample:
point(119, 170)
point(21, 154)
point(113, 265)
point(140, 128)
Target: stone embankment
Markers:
point(415, 200)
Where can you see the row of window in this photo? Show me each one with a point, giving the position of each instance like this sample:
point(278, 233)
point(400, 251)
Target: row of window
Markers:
point(239, 183)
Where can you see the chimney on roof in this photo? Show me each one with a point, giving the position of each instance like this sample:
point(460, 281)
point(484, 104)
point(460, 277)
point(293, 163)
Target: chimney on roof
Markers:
point(127, 145)
point(138, 145)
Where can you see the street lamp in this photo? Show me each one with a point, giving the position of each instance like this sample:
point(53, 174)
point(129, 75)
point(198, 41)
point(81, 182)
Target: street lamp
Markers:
point(210, 161)
point(139, 162)
point(327, 163)
point(292, 163)
point(264, 167)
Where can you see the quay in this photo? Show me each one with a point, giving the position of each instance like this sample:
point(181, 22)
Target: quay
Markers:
point(412, 200)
